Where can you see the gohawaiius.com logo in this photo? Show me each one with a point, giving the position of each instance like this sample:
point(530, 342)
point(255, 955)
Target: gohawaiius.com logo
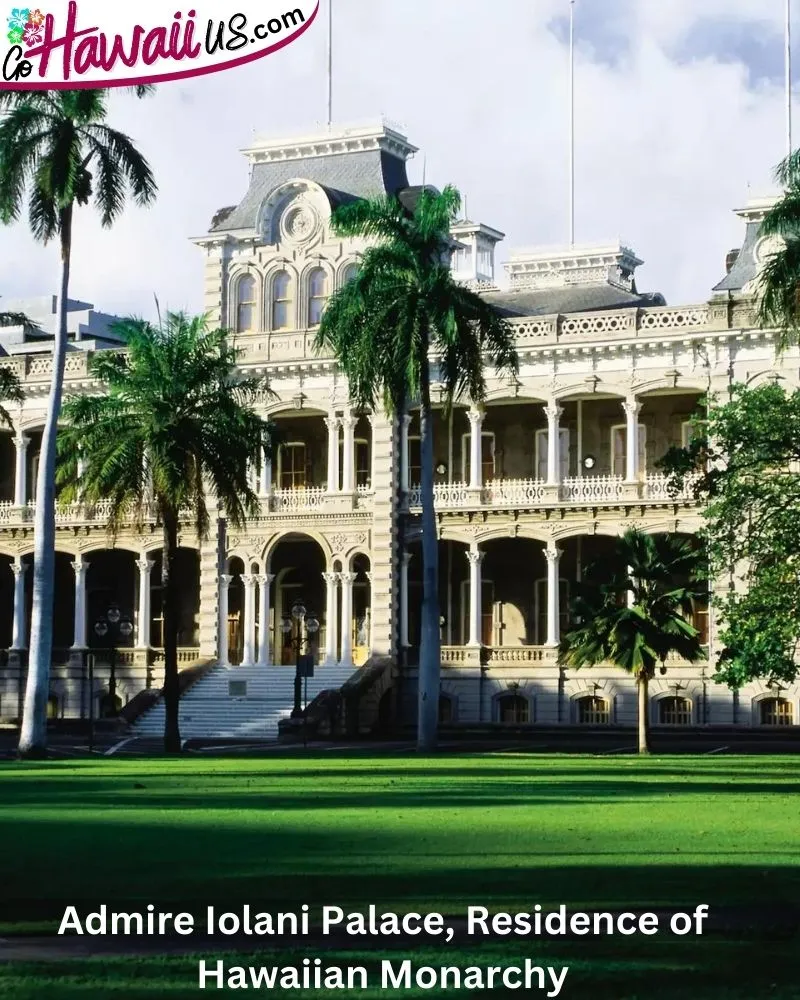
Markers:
point(94, 43)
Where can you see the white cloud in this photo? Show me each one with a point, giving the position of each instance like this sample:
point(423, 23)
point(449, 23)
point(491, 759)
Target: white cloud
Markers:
point(665, 149)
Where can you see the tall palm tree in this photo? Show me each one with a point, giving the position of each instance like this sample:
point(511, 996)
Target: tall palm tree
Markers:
point(174, 428)
point(779, 286)
point(635, 609)
point(10, 391)
point(57, 152)
point(402, 319)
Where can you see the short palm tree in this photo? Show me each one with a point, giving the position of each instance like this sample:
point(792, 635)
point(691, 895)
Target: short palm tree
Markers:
point(779, 287)
point(58, 152)
point(10, 391)
point(635, 609)
point(402, 318)
point(175, 428)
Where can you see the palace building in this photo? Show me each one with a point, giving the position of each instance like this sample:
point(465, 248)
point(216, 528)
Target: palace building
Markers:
point(532, 485)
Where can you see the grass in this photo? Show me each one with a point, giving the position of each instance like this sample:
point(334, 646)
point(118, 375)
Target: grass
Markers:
point(504, 831)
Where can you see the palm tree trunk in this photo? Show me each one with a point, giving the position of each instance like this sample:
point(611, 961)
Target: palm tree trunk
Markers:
point(33, 735)
point(169, 584)
point(642, 682)
point(430, 645)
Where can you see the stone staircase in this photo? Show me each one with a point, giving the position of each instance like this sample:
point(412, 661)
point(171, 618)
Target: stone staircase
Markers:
point(240, 702)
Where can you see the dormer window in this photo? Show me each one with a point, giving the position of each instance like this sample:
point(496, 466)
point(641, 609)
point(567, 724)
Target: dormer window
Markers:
point(317, 295)
point(246, 304)
point(281, 301)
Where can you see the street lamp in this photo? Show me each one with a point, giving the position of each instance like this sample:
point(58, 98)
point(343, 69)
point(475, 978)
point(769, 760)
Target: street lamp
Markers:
point(116, 627)
point(299, 629)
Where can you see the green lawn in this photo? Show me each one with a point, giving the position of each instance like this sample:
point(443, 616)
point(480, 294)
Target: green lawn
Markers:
point(505, 831)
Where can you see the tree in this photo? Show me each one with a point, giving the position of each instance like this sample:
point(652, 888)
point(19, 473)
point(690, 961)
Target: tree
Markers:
point(779, 285)
point(402, 318)
point(750, 446)
point(56, 149)
point(174, 426)
point(634, 611)
point(10, 391)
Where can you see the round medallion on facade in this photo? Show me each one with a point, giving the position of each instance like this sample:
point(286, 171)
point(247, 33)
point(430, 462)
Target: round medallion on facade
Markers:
point(767, 247)
point(299, 224)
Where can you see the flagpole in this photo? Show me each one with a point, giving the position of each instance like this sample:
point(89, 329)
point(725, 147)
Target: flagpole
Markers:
point(572, 123)
point(330, 64)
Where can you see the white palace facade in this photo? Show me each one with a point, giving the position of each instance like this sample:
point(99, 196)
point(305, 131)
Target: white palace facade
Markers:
point(532, 485)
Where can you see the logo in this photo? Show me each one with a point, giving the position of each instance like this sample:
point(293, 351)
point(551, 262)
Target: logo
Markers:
point(91, 43)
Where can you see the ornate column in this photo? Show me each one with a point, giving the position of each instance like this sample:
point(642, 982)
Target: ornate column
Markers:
point(79, 630)
point(476, 449)
point(553, 412)
point(349, 422)
point(264, 583)
point(405, 424)
point(265, 484)
point(632, 409)
point(331, 611)
point(332, 423)
point(145, 569)
point(475, 557)
point(553, 556)
point(222, 644)
point(249, 653)
point(348, 579)
point(19, 640)
point(405, 559)
point(21, 474)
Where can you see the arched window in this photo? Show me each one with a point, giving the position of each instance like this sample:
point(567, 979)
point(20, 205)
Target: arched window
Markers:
point(349, 273)
point(513, 710)
point(776, 712)
point(52, 707)
point(317, 295)
point(675, 711)
point(281, 301)
point(445, 709)
point(594, 711)
point(246, 304)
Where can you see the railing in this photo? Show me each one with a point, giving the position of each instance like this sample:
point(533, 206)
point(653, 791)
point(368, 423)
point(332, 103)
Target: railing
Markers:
point(524, 656)
point(74, 513)
point(291, 501)
point(186, 656)
point(592, 489)
point(661, 488)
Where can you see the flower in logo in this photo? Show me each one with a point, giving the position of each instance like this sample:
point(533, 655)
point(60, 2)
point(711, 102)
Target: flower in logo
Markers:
point(15, 36)
point(36, 18)
point(19, 19)
point(33, 33)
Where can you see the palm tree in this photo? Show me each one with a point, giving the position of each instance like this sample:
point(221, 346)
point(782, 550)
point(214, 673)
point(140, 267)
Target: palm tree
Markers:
point(174, 427)
point(779, 286)
point(401, 319)
point(56, 148)
point(10, 391)
point(635, 611)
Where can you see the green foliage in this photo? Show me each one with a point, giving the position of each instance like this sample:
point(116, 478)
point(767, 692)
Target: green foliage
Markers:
point(57, 146)
point(404, 301)
point(779, 290)
point(634, 608)
point(175, 415)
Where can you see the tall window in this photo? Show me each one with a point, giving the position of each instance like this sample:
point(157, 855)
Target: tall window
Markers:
point(317, 295)
point(246, 304)
point(542, 456)
point(363, 464)
point(414, 461)
point(349, 273)
point(488, 470)
point(594, 711)
point(292, 472)
point(776, 712)
point(281, 301)
point(513, 710)
point(619, 450)
point(675, 711)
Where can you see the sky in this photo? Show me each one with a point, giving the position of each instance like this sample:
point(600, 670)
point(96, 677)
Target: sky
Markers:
point(680, 118)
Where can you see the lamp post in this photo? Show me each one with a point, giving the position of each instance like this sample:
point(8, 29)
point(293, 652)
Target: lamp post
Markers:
point(299, 628)
point(116, 627)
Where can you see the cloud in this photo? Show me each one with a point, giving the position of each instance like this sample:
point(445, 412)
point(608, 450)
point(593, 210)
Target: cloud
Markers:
point(678, 111)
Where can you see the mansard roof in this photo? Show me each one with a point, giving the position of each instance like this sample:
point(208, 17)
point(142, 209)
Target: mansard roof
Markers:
point(577, 298)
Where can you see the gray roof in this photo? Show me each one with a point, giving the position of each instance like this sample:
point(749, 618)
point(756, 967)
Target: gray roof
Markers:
point(344, 176)
point(578, 298)
point(746, 267)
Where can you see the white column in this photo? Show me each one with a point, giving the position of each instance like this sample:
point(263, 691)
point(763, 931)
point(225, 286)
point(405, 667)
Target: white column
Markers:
point(476, 449)
point(348, 579)
point(79, 630)
point(249, 654)
point(553, 411)
point(405, 559)
point(19, 638)
point(145, 569)
point(369, 617)
point(632, 408)
point(349, 472)
point(20, 483)
point(475, 559)
point(331, 612)
point(224, 586)
point(553, 556)
point(264, 583)
point(332, 423)
point(265, 486)
point(405, 424)
point(372, 419)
